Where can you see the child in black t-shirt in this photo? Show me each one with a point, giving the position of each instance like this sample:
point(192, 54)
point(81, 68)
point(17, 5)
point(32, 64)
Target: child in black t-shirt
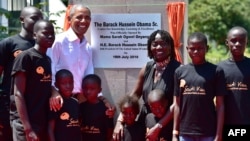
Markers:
point(133, 130)
point(158, 105)
point(95, 125)
point(64, 124)
point(236, 69)
point(31, 86)
point(198, 95)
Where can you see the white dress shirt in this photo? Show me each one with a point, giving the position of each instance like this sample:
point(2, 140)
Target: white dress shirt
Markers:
point(68, 52)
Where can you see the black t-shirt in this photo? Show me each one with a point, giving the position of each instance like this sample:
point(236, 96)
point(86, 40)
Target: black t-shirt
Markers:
point(8, 47)
point(94, 122)
point(197, 109)
point(67, 126)
point(237, 100)
point(166, 131)
point(37, 68)
point(135, 132)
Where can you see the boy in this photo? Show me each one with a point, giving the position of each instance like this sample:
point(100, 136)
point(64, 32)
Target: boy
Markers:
point(158, 105)
point(133, 130)
point(9, 48)
point(95, 125)
point(236, 68)
point(32, 86)
point(64, 124)
point(196, 116)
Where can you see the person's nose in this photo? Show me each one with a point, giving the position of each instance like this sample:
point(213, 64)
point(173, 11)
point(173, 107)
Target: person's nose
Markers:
point(237, 43)
point(159, 46)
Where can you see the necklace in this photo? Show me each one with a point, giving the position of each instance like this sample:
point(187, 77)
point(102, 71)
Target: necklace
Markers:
point(159, 68)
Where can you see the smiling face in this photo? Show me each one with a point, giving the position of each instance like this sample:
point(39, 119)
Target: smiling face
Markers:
point(237, 42)
point(80, 20)
point(160, 49)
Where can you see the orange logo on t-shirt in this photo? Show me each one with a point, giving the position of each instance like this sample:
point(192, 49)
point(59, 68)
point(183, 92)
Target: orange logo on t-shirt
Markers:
point(16, 53)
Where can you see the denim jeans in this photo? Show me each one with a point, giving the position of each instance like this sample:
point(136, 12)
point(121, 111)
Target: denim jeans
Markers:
point(196, 138)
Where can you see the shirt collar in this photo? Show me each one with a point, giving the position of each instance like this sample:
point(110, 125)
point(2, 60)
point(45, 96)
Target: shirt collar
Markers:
point(72, 35)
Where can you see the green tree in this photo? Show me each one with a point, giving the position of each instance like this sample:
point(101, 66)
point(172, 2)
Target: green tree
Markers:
point(8, 31)
point(3, 29)
point(216, 17)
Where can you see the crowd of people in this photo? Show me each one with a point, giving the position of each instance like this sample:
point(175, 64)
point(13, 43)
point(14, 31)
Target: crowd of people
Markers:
point(49, 91)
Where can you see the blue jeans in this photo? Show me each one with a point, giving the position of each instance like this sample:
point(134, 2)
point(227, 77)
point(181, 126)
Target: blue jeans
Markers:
point(196, 138)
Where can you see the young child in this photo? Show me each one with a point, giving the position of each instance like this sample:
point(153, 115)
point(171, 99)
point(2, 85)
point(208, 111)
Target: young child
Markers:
point(133, 130)
point(32, 86)
point(158, 104)
point(64, 124)
point(196, 116)
point(95, 125)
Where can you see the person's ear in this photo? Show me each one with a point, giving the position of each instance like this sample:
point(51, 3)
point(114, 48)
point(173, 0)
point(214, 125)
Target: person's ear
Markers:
point(207, 47)
point(55, 84)
point(21, 20)
point(226, 42)
point(69, 19)
point(34, 35)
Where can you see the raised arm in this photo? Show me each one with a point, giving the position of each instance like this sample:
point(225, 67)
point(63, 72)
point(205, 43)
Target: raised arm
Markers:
point(55, 101)
point(139, 84)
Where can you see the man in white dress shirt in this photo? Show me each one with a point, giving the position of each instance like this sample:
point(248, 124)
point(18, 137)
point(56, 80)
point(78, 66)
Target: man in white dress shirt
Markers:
point(72, 51)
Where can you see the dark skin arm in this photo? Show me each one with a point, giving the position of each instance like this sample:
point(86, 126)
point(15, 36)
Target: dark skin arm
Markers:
point(220, 117)
point(110, 112)
point(55, 100)
point(139, 84)
point(19, 89)
point(51, 129)
point(118, 130)
point(153, 133)
point(176, 117)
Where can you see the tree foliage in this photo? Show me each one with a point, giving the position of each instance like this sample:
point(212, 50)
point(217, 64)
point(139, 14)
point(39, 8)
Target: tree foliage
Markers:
point(216, 17)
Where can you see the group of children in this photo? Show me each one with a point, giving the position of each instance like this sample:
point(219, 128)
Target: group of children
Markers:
point(86, 121)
